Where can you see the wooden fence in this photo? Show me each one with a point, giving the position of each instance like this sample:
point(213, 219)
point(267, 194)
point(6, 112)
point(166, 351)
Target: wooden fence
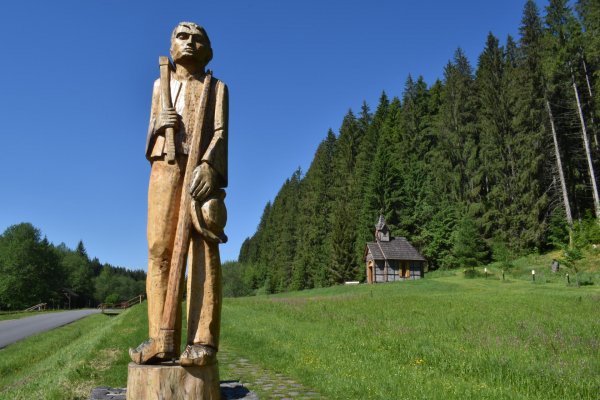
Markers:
point(116, 308)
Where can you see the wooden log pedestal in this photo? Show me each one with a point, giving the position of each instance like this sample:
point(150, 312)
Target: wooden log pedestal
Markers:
point(171, 381)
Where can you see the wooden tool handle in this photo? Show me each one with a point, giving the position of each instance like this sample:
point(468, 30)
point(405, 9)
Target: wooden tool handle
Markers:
point(166, 102)
point(184, 221)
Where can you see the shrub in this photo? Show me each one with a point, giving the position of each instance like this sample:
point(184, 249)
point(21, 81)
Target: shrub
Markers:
point(112, 298)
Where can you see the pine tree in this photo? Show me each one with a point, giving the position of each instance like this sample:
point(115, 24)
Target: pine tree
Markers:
point(383, 190)
point(343, 219)
point(589, 15)
point(80, 249)
point(498, 172)
point(469, 247)
point(457, 135)
point(560, 38)
point(312, 256)
point(364, 165)
point(412, 146)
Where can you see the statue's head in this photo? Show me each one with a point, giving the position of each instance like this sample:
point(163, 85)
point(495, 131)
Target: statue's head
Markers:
point(190, 44)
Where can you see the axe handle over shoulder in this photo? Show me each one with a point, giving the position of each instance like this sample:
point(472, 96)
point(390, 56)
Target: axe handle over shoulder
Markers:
point(166, 102)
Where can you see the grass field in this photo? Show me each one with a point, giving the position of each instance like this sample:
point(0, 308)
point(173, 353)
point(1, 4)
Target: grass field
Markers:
point(444, 337)
point(438, 338)
point(22, 314)
point(67, 362)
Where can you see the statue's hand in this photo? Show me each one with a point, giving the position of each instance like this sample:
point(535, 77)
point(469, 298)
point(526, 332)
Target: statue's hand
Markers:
point(204, 181)
point(167, 118)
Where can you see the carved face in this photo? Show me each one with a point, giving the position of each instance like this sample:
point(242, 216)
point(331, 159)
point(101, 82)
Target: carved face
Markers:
point(190, 45)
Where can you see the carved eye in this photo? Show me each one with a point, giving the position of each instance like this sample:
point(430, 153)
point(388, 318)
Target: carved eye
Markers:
point(182, 35)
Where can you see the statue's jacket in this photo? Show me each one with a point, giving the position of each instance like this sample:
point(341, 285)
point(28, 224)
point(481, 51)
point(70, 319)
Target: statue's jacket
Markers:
point(185, 97)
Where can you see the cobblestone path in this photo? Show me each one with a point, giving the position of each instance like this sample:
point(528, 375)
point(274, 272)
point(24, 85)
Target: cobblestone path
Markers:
point(267, 384)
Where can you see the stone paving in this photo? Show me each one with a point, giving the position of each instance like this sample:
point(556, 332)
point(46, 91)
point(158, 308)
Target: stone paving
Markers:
point(251, 383)
point(267, 384)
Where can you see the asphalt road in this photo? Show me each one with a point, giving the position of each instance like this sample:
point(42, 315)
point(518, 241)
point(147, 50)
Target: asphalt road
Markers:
point(17, 329)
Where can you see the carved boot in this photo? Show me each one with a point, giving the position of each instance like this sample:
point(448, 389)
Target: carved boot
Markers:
point(198, 354)
point(149, 353)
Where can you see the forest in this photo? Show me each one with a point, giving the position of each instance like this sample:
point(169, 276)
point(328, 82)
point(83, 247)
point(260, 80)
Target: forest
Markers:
point(488, 163)
point(33, 271)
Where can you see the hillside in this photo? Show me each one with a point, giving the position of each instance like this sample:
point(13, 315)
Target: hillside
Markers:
point(496, 160)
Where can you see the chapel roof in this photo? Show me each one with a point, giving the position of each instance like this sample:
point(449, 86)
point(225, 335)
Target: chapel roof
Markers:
point(398, 248)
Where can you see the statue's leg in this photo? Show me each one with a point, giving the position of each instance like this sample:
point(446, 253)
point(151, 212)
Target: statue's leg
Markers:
point(204, 302)
point(195, 283)
point(164, 193)
point(210, 316)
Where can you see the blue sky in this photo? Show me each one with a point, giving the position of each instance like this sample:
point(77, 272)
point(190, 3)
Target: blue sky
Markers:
point(76, 79)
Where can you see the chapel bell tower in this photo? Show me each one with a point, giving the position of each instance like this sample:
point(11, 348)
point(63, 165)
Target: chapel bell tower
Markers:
point(382, 233)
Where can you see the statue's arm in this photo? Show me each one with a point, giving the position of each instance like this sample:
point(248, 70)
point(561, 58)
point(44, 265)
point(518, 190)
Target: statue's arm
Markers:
point(216, 152)
point(211, 174)
point(159, 120)
point(151, 135)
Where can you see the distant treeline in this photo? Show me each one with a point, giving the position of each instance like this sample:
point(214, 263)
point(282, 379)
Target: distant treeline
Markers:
point(33, 270)
point(490, 162)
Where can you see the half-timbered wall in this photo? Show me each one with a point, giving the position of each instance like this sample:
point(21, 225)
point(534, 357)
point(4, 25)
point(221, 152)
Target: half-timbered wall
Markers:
point(379, 271)
point(394, 270)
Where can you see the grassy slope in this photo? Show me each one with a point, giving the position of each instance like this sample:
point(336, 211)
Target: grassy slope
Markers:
point(66, 363)
point(589, 268)
point(19, 315)
point(446, 337)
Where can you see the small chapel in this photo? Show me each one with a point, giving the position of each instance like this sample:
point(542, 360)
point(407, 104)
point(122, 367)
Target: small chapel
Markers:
point(390, 259)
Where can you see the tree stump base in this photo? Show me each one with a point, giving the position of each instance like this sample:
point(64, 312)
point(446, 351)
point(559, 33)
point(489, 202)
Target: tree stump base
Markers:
point(171, 381)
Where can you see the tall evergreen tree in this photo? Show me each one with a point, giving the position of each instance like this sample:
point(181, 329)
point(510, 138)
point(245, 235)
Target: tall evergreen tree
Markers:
point(469, 248)
point(498, 169)
point(560, 39)
point(364, 165)
point(344, 265)
point(312, 256)
point(457, 136)
point(589, 15)
point(412, 146)
point(384, 188)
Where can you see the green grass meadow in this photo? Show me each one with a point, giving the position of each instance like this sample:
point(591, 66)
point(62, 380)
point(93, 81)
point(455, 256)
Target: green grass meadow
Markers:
point(67, 362)
point(438, 338)
point(443, 337)
point(22, 314)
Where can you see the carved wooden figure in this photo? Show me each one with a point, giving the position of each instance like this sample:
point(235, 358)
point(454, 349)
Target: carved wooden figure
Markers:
point(187, 148)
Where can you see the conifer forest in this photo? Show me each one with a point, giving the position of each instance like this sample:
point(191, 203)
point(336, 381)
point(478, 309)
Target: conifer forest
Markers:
point(495, 160)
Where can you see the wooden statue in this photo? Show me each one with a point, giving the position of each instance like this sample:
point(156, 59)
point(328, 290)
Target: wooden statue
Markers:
point(187, 148)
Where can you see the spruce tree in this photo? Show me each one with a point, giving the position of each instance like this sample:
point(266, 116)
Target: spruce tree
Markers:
point(364, 166)
point(312, 256)
point(497, 175)
point(457, 135)
point(469, 247)
point(344, 265)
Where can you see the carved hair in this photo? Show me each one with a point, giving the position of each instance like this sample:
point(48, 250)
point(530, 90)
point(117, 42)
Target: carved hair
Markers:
point(194, 26)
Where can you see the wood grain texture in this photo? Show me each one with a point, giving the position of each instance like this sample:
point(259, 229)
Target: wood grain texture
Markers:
point(165, 95)
point(184, 222)
point(170, 381)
